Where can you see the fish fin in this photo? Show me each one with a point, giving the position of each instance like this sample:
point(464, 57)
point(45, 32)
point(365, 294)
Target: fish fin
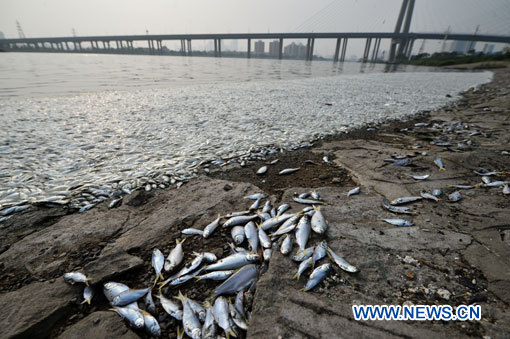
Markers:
point(180, 242)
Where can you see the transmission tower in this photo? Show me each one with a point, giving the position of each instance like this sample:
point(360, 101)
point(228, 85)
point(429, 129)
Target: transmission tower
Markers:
point(446, 33)
point(422, 47)
point(74, 33)
point(20, 30)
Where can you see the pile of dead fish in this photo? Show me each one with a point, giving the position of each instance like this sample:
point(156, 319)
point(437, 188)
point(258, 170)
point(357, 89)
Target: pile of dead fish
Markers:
point(255, 232)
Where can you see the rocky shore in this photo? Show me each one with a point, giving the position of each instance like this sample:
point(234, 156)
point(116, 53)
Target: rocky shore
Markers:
point(456, 253)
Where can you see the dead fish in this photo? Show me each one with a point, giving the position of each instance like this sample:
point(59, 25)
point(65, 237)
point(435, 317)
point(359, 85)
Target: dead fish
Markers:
point(315, 195)
point(266, 254)
point(237, 317)
point(325, 159)
point(263, 238)
point(133, 316)
point(192, 231)
point(486, 172)
point(262, 170)
point(486, 179)
point(303, 195)
point(76, 277)
point(210, 228)
point(255, 205)
point(462, 187)
point(241, 280)
point(399, 222)
point(170, 307)
point(439, 163)
point(151, 324)
point(506, 190)
point(305, 264)
point(318, 223)
point(237, 214)
point(129, 296)
point(237, 233)
point(149, 303)
point(192, 325)
point(405, 200)
point(273, 222)
point(112, 289)
point(274, 161)
point(267, 207)
point(303, 230)
point(419, 177)
point(240, 220)
point(175, 257)
point(209, 327)
point(88, 294)
point(318, 275)
point(256, 196)
point(437, 192)
point(344, 265)
point(429, 196)
point(289, 171)
point(319, 252)
point(286, 246)
point(396, 209)
point(221, 315)
point(198, 309)
point(308, 201)
point(303, 255)
point(497, 183)
point(233, 261)
point(215, 275)
point(252, 234)
point(115, 203)
point(354, 191)
point(403, 162)
point(455, 196)
point(282, 208)
point(158, 260)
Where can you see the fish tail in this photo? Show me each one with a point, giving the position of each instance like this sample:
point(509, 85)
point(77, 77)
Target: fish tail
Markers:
point(87, 281)
point(231, 333)
point(161, 285)
point(296, 276)
point(180, 242)
point(180, 334)
point(181, 297)
point(317, 208)
point(442, 169)
point(161, 276)
point(86, 301)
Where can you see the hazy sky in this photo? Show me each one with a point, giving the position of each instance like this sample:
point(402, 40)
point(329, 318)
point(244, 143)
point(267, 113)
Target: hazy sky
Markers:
point(110, 17)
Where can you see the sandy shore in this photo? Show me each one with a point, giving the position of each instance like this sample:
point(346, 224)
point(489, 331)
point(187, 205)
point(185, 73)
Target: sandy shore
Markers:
point(456, 253)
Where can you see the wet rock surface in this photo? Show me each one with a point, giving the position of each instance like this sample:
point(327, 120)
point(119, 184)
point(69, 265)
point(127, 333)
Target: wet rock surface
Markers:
point(456, 253)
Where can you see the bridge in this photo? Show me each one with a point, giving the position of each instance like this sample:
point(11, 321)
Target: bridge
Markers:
point(402, 41)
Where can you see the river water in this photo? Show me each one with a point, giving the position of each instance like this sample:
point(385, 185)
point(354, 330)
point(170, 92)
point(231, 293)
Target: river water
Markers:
point(78, 127)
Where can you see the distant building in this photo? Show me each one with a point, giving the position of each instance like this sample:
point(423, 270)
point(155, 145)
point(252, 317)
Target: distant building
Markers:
point(2, 36)
point(294, 50)
point(459, 46)
point(488, 48)
point(234, 45)
point(259, 47)
point(274, 48)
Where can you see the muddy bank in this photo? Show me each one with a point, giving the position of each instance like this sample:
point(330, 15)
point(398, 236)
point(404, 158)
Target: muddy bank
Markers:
point(457, 253)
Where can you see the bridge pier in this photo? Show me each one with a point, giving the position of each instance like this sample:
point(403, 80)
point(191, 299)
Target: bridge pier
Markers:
point(219, 48)
point(309, 48)
point(248, 53)
point(367, 49)
point(344, 50)
point(375, 51)
point(280, 49)
point(337, 49)
point(189, 48)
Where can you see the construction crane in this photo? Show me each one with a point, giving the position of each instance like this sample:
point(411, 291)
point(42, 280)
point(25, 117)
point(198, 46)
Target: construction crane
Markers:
point(20, 30)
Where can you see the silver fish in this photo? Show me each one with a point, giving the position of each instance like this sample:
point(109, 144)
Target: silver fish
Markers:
point(115, 203)
point(133, 316)
point(210, 228)
point(267, 254)
point(282, 208)
point(241, 280)
point(286, 245)
point(216, 275)
point(315, 195)
point(272, 213)
point(419, 177)
point(429, 196)
point(197, 261)
point(264, 216)
point(237, 234)
point(129, 296)
point(405, 200)
point(254, 206)
point(191, 323)
point(238, 249)
point(486, 179)
point(221, 315)
point(354, 191)
point(192, 231)
point(175, 257)
point(303, 255)
point(264, 239)
point(439, 163)
point(303, 195)
point(158, 260)
point(455, 196)
point(288, 225)
point(209, 257)
point(112, 289)
point(308, 201)
point(76, 277)
point(170, 307)
point(303, 230)
point(319, 252)
point(462, 187)
point(256, 196)
point(237, 214)
point(198, 309)
point(151, 324)
point(506, 190)
point(497, 183)
point(88, 294)
point(437, 192)
point(262, 170)
point(273, 222)
point(318, 223)
point(237, 317)
point(149, 303)
point(305, 264)
point(288, 171)
point(240, 220)
point(252, 234)
point(233, 261)
point(325, 159)
point(209, 327)
point(267, 207)
point(341, 262)
point(399, 222)
point(318, 275)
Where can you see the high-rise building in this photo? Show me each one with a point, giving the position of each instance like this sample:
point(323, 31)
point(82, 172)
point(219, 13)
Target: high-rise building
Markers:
point(274, 48)
point(2, 36)
point(460, 46)
point(259, 47)
point(294, 50)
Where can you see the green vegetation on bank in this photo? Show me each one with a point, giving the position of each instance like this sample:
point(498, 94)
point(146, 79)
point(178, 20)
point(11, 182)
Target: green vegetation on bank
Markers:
point(447, 59)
